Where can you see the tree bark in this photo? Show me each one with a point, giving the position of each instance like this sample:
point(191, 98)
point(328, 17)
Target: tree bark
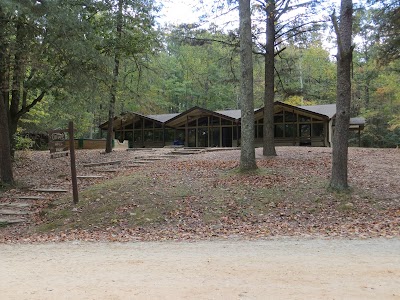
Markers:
point(269, 92)
point(113, 88)
point(17, 79)
point(6, 174)
point(247, 154)
point(343, 30)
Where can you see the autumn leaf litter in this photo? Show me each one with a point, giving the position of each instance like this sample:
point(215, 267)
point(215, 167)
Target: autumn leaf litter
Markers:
point(203, 196)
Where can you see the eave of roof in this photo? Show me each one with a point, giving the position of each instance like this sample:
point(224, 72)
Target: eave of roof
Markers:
point(328, 110)
point(163, 118)
point(232, 113)
point(127, 115)
point(193, 109)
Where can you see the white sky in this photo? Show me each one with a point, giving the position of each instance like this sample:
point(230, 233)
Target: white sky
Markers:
point(179, 11)
point(186, 11)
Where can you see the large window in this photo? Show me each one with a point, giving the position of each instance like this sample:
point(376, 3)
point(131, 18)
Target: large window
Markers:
point(202, 121)
point(202, 137)
point(192, 137)
point(258, 129)
point(118, 136)
point(180, 136)
point(137, 135)
point(128, 135)
point(305, 130)
point(215, 121)
point(138, 124)
point(192, 123)
point(158, 135)
point(278, 117)
point(226, 122)
point(215, 137)
point(288, 124)
point(169, 135)
point(148, 135)
point(304, 119)
point(290, 130)
point(278, 130)
point(148, 124)
point(290, 117)
point(317, 129)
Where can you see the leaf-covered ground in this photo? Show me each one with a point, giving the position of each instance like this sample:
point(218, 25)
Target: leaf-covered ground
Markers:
point(203, 196)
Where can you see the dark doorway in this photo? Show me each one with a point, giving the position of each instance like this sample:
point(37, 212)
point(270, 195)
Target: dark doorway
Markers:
point(192, 137)
point(202, 137)
point(226, 136)
point(215, 137)
point(305, 134)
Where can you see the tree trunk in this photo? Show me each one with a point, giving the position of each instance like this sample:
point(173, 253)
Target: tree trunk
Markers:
point(269, 92)
point(6, 174)
point(344, 59)
point(247, 154)
point(17, 79)
point(113, 89)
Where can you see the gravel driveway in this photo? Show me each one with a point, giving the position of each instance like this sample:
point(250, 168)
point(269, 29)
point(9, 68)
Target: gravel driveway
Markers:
point(231, 269)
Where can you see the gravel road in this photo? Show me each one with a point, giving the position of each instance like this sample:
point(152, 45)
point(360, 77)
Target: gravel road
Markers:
point(231, 269)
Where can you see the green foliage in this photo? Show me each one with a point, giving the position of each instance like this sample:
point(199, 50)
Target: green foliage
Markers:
point(195, 69)
point(186, 66)
point(378, 132)
point(22, 142)
point(299, 101)
point(308, 73)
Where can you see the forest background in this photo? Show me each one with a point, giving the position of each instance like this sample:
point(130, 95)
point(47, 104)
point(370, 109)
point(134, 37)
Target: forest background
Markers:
point(62, 54)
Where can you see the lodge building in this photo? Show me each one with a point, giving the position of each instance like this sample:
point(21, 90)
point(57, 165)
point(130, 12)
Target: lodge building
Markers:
point(199, 127)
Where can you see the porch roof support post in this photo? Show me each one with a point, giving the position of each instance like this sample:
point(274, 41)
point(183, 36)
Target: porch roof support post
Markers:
point(163, 134)
point(142, 132)
point(186, 133)
point(237, 134)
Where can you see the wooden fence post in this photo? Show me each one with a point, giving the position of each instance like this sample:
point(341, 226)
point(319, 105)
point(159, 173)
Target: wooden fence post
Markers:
point(73, 166)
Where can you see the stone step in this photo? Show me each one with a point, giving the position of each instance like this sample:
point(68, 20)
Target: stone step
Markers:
point(105, 170)
point(141, 149)
point(174, 146)
point(89, 176)
point(184, 152)
point(15, 204)
point(150, 158)
point(215, 149)
point(14, 212)
point(31, 197)
point(139, 161)
point(50, 190)
point(165, 156)
point(115, 162)
point(9, 221)
point(194, 148)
